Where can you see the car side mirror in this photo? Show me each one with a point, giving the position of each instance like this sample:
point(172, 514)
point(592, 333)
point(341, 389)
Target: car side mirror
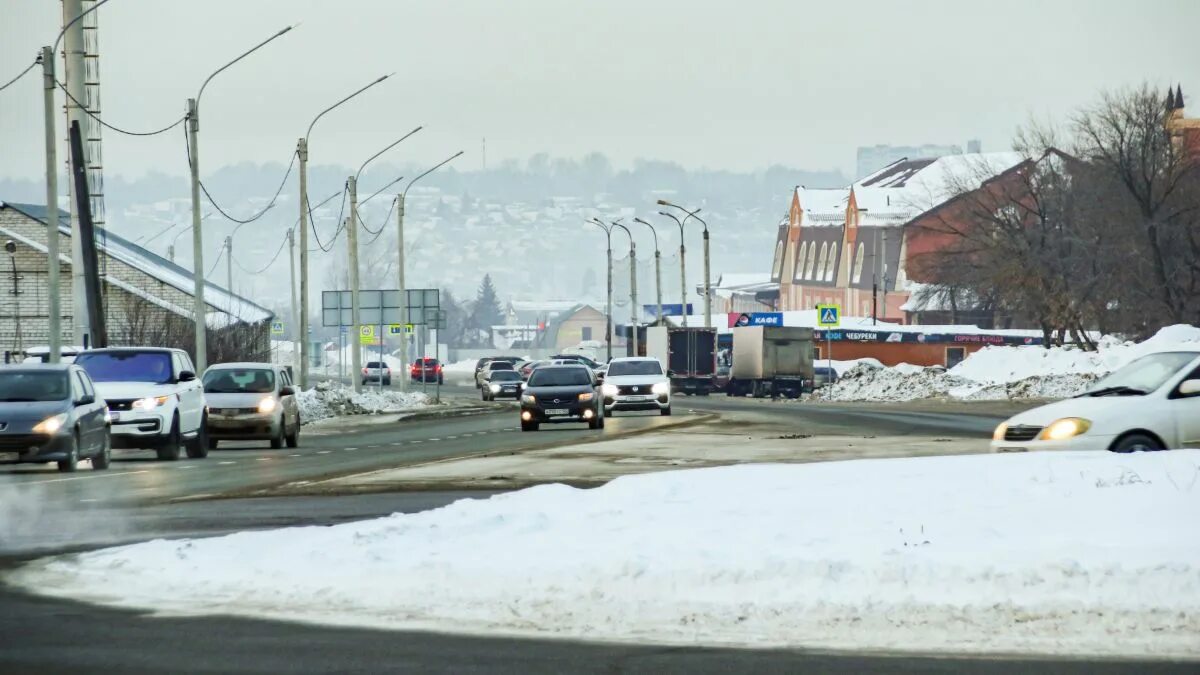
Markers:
point(85, 400)
point(670, 373)
point(287, 391)
point(186, 376)
point(1190, 387)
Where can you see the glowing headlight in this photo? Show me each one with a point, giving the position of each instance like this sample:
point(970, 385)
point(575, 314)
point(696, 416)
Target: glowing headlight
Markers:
point(1065, 428)
point(609, 390)
point(150, 403)
point(586, 397)
point(495, 388)
point(50, 424)
point(998, 434)
point(661, 388)
point(266, 405)
point(528, 398)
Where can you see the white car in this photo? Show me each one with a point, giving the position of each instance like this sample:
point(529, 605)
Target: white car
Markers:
point(154, 399)
point(636, 383)
point(1153, 403)
point(251, 402)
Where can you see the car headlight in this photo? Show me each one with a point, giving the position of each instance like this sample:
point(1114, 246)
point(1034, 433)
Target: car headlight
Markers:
point(1068, 427)
point(528, 398)
point(50, 425)
point(998, 434)
point(609, 390)
point(583, 398)
point(150, 403)
point(661, 388)
point(267, 404)
point(495, 388)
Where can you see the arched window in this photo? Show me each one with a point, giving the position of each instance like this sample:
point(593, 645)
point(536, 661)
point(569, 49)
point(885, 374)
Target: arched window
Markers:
point(858, 262)
point(820, 271)
point(798, 272)
point(831, 262)
point(808, 264)
point(777, 267)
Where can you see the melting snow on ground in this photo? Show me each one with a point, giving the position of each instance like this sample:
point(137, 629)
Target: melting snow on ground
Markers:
point(330, 399)
point(1082, 553)
point(996, 373)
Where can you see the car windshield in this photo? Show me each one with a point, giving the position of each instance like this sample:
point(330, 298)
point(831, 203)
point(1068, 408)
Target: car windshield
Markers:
point(239, 381)
point(154, 367)
point(25, 385)
point(619, 368)
point(500, 365)
point(376, 364)
point(506, 376)
point(560, 377)
point(1143, 375)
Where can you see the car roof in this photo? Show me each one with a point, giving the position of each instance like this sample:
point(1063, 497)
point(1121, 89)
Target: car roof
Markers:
point(38, 366)
point(242, 364)
point(633, 358)
point(109, 350)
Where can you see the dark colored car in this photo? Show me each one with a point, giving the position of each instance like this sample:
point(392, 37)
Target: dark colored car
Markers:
point(580, 358)
point(502, 384)
point(427, 370)
point(557, 394)
point(50, 413)
point(823, 376)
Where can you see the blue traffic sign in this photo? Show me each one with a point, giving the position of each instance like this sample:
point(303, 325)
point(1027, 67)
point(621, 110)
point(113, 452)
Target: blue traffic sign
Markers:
point(829, 316)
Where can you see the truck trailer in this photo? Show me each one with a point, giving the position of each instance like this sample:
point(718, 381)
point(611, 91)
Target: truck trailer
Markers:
point(771, 361)
point(689, 354)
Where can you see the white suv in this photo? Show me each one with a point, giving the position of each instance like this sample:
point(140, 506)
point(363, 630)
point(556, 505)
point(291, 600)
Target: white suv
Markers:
point(154, 399)
point(636, 383)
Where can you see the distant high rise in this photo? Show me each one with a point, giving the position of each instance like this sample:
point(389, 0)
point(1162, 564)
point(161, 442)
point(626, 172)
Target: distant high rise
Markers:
point(974, 146)
point(875, 157)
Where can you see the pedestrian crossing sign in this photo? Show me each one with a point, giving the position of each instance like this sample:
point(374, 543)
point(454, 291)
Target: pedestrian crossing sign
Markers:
point(829, 316)
point(276, 328)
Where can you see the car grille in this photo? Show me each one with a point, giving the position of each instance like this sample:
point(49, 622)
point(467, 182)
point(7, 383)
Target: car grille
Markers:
point(233, 411)
point(561, 399)
point(20, 442)
point(119, 405)
point(1021, 433)
point(634, 389)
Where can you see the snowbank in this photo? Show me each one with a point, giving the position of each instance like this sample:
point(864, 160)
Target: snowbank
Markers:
point(330, 399)
point(1073, 553)
point(1002, 372)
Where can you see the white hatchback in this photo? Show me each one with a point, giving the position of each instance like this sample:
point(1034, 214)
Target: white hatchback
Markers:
point(1152, 403)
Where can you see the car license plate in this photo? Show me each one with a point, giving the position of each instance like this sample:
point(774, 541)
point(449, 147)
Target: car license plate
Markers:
point(554, 412)
point(639, 398)
point(114, 416)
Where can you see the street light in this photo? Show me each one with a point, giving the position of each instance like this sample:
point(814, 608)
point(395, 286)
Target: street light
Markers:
point(657, 267)
point(171, 246)
point(707, 276)
point(632, 283)
point(302, 151)
point(683, 308)
point(608, 308)
point(11, 247)
point(352, 246)
point(400, 198)
point(193, 128)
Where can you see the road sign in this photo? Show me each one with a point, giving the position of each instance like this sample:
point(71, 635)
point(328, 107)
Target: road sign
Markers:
point(756, 319)
point(375, 307)
point(395, 329)
point(409, 328)
point(276, 328)
point(438, 320)
point(829, 316)
point(366, 335)
point(422, 305)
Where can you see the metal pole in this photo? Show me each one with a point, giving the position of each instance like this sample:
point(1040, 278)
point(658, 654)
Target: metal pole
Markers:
point(171, 252)
point(352, 247)
point(229, 263)
point(437, 357)
point(608, 312)
point(75, 76)
point(291, 240)
point(683, 278)
point(404, 377)
point(53, 264)
point(302, 328)
point(198, 307)
point(633, 292)
point(658, 281)
point(707, 285)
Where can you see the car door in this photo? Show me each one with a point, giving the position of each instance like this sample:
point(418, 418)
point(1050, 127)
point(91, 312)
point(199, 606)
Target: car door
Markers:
point(93, 416)
point(1185, 411)
point(78, 415)
point(191, 394)
point(291, 409)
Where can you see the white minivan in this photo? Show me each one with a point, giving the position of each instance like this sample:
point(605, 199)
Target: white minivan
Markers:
point(1152, 403)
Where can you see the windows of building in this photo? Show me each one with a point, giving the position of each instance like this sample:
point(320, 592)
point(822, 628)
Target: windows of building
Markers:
point(777, 267)
point(798, 273)
point(831, 263)
point(808, 264)
point(820, 271)
point(586, 333)
point(858, 262)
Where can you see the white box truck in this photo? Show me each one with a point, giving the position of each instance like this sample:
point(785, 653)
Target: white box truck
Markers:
point(771, 361)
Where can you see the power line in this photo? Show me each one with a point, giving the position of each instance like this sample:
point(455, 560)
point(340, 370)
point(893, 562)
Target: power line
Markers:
point(386, 220)
point(119, 130)
point(260, 214)
point(264, 267)
point(21, 74)
point(313, 224)
point(215, 263)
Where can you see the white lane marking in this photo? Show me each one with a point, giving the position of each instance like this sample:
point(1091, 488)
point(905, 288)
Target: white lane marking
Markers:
point(351, 448)
point(226, 463)
point(264, 459)
point(98, 475)
point(434, 439)
point(372, 447)
point(294, 454)
point(184, 468)
point(88, 501)
point(451, 437)
point(324, 452)
point(415, 442)
point(396, 445)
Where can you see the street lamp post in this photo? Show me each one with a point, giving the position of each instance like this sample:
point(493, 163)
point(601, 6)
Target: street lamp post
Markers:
point(657, 267)
point(632, 284)
point(302, 151)
point(193, 128)
point(11, 247)
point(352, 246)
point(608, 330)
point(400, 198)
point(707, 274)
point(683, 309)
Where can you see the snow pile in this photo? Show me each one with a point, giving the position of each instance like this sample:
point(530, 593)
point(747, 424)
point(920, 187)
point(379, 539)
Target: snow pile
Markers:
point(331, 399)
point(1003, 372)
point(1074, 553)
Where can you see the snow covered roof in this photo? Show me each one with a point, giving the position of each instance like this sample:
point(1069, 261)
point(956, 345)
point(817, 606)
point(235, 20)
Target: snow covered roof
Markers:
point(230, 306)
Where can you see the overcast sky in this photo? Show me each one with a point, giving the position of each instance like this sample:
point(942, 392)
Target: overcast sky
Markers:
point(732, 85)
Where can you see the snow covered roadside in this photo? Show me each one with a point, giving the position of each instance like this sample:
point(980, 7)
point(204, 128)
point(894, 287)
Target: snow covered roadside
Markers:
point(997, 373)
point(1083, 553)
point(331, 399)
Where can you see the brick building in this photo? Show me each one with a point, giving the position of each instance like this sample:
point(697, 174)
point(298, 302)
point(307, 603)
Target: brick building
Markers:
point(144, 294)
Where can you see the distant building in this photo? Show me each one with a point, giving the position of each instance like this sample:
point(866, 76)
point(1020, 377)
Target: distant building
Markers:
point(1184, 131)
point(875, 157)
point(974, 146)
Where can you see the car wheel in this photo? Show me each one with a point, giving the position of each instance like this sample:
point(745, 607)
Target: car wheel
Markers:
point(483, 396)
point(169, 452)
point(665, 412)
point(72, 461)
point(103, 459)
point(198, 447)
point(387, 382)
point(1136, 443)
point(293, 439)
point(529, 426)
point(277, 439)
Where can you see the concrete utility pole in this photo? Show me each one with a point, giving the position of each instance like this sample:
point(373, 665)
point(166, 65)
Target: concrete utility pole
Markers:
point(302, 151)
point(291, 242)
point(74, 49)
point(683, 308)
point(707, 274)
point(657, 267)
point(229, 263)
point(632, 286)
point(53, 287)
point(608, 331)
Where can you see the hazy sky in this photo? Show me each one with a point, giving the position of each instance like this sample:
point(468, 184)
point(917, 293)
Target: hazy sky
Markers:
point(735, 85)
